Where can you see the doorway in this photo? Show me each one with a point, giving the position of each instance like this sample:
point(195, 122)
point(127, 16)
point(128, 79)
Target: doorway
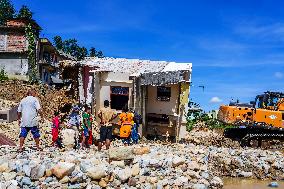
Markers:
point(119, 97)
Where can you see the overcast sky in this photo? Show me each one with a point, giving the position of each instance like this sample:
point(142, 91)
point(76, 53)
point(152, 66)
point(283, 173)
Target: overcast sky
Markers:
point(236, 46)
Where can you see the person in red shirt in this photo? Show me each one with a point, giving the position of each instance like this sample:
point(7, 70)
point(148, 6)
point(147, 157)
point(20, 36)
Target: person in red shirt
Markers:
point(55, 129)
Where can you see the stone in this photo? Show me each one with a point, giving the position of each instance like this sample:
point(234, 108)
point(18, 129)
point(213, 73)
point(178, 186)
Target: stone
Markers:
point(178, 161)
point(64, 180)
point(199, 186)
point(273, 185)
point(48, 179)
point(4, 167)
point(26, 181)
point(63, 169)
point(37, 172)
point(123, 174)
point(193, 165)
point(74, 186)
point(217, 182)
point(102, 183)
point(96, 173)
point(68, 138)
point(27, 170)
point(246, 174)
point(135, 170)
point(120, 164)
point(141, 150)
point(48, 172)
point(121, 153)
point(9, 176)
point(132, 182)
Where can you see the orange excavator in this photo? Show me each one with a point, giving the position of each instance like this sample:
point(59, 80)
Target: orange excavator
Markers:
point(262, 119)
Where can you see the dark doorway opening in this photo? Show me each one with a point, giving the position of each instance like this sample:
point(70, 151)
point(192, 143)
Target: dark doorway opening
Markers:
point(119, 97)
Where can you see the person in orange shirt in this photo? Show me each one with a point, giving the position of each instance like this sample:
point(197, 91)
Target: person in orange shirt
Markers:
point(126, 122)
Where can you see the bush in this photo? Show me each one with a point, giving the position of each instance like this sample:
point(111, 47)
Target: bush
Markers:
point(3, 75)
point(197, 115)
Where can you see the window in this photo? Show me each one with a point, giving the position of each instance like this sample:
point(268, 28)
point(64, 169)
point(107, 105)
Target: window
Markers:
point(119, 97)
point(163, 93)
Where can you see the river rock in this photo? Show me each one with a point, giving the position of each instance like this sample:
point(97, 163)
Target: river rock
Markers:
point(217, 182)
point(26, 181)
point(64, 180)
point(120, 164)
point(96, 173)
point(178, 161)
point(9, 176)
point(37, 172)
point(123, 174)
point(63, 169)
point(135, 170)
point(121, 153)
point(103, 183)
point(273, 184)
point(68, 138)
point(199, 186)
point(246, 174)
point(141, 150)
point(4, 166)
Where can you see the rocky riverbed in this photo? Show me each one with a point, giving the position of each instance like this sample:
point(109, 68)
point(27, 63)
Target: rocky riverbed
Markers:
point(140, 166)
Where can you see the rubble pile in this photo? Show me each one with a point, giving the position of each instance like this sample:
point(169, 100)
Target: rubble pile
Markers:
point(151, 166)
point(252, 163)
point(51, 99)
point(7, 104)
point(210, 137)
point(12, 131)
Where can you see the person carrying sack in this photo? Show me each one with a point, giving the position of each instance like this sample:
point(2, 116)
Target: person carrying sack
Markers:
point(126, 122)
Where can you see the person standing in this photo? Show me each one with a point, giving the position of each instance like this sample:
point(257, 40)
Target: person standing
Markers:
point(126, 122)
point(28, 111)
point(74, 123)
point(106, 115)
point(87, 127)
point(55, 130)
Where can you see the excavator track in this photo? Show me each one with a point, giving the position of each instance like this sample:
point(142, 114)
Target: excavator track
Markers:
point(246, 134)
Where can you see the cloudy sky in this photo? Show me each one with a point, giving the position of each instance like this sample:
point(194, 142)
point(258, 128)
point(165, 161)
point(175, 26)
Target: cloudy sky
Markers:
point(236, 46)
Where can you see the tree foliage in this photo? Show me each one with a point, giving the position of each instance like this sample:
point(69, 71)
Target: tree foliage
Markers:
point(25, 12)
point(72, 47)
point(95, 53)
point(31, 37)
point(196, 115)
point(7, 11)
point(3, 75)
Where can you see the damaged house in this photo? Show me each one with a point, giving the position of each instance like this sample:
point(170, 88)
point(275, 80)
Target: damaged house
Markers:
point(48, 62)
point(14, 46)
point(157, 90)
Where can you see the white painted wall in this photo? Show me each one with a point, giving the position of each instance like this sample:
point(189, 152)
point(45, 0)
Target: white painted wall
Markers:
point(162, 107)
point(108, 79)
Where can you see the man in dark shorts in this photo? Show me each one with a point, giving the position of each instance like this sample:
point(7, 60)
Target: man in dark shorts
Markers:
point(106, 114)
point(28, 110)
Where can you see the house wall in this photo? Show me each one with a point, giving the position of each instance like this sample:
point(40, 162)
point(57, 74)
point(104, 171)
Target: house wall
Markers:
point(108, 79)
point(14, 64)
point(162, 107)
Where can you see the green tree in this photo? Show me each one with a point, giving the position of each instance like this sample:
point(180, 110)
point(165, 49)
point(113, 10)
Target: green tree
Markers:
point(93, 52)
point(7, 11)
point(100, 54)
point(25, 12)
point(58, 43)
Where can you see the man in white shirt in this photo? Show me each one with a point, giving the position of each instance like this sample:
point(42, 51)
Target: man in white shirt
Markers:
point(28, 110)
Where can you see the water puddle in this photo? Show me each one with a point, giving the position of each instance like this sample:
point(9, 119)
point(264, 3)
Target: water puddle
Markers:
point(240, 183)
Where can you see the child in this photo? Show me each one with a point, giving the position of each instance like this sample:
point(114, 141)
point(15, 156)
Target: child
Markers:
point(55, 129)
point(87, 126)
